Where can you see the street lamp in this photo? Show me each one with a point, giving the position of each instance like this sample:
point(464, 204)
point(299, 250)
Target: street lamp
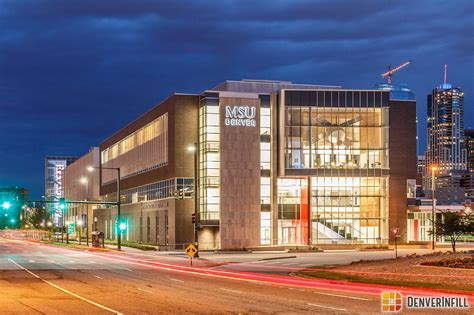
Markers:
point(433, 205)
point(194, 149)
point(6, 205)
point(117, 169)
point(85, 181)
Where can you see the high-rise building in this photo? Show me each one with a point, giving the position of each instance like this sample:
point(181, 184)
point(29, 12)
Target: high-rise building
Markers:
point(469, 180)
point(420, 173)
point(469, 144)
point(54, 183)
point(279, 164)
point(445, 143)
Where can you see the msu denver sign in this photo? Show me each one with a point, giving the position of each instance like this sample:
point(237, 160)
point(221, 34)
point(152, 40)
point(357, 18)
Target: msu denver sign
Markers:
point(240, 116)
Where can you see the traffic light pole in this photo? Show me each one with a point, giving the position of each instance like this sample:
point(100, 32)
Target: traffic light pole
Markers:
point(196, 193)
point(119, 237)
point(63, 201)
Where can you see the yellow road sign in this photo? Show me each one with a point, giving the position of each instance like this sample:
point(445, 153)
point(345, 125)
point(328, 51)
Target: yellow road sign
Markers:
point(191, 250)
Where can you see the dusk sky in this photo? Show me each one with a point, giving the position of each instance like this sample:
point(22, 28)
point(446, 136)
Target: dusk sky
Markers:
point(73, 72)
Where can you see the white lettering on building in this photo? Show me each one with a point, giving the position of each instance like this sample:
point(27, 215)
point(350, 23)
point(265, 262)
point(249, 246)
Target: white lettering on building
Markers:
point(240, 116)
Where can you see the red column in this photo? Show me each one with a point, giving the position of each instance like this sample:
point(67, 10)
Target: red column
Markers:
point(415, 229)
point(304, 211)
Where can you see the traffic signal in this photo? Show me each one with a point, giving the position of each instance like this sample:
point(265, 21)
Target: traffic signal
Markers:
point(62, 203)
point(122, 227)
point(193, 220)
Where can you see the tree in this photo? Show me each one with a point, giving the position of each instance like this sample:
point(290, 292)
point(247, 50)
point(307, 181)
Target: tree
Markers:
point(453, 225)
point(36, 216)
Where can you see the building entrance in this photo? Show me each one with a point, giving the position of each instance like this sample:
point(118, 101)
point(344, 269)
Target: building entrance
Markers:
point(289, 235)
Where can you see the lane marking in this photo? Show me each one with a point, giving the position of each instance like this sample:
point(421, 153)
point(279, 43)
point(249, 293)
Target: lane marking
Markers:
point(177, 280)
point(229, 290)
point(52, 261)
point(342, 296)
point(164, 266)
point(31, 261)
point(64, 290)
point(145, 290)
point(72, 261)
point(328, 307)
point(98, 277)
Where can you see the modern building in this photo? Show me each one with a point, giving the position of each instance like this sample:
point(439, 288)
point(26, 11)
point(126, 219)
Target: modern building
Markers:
point(420, 173)
point(82, 184)
point(469, 178)
point(53, 183)
point(279, 164)
point(469, 143)
point(12, 204)
point(419, 224)
point(445, 147)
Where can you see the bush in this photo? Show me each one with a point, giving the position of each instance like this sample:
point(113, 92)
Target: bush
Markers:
point(467, 263)
point(136, 245)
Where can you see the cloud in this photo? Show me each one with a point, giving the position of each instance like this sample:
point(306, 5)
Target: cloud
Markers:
point(73, 72)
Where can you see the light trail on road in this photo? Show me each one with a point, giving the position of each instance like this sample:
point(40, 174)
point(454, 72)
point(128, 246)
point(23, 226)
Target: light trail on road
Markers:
point(327, 285)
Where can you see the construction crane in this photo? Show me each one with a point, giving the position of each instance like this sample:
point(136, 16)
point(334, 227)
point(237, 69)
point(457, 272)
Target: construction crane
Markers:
point(390, 71)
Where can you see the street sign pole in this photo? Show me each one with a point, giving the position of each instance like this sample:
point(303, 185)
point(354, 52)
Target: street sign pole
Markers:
point(396, 233)
point(396, 252)
point(192, 251)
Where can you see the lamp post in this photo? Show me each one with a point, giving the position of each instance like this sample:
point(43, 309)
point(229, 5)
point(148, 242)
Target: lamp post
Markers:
point(85, 181)
point(194, 149)
point(433, 205)
point(119, 234)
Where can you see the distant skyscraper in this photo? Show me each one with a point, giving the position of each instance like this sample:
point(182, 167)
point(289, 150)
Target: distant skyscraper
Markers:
point(469, 143)
point(445, 147)
point(54, 182)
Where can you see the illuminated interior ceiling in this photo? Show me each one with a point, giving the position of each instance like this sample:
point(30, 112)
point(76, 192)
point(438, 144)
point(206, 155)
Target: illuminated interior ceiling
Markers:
point(336, 134)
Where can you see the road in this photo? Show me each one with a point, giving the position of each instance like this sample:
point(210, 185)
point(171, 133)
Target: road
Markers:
point(41, 279)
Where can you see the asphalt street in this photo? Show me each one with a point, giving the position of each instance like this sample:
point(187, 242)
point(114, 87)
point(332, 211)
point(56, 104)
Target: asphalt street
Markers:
point(41, 279)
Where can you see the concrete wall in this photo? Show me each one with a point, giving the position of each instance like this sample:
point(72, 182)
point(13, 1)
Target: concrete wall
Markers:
point(403, 161)
point(239, 179)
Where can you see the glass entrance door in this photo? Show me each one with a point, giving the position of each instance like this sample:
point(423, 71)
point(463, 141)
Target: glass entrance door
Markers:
point(289, 235)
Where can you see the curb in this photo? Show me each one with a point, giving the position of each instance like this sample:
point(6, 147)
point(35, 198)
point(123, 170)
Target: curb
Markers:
point(275, 258)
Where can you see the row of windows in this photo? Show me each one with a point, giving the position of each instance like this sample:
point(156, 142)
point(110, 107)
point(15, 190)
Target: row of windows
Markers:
point(209, 159)
point(168, 188)
point(149, 132)
point(337, 98)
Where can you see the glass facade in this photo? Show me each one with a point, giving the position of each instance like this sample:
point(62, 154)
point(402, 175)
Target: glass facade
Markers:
point(342, 139)
point(209, 157)
point(265, 166)
point(349, 210)
point(168, 188)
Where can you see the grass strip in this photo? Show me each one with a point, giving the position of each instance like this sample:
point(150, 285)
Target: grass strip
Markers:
point(331, 275)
